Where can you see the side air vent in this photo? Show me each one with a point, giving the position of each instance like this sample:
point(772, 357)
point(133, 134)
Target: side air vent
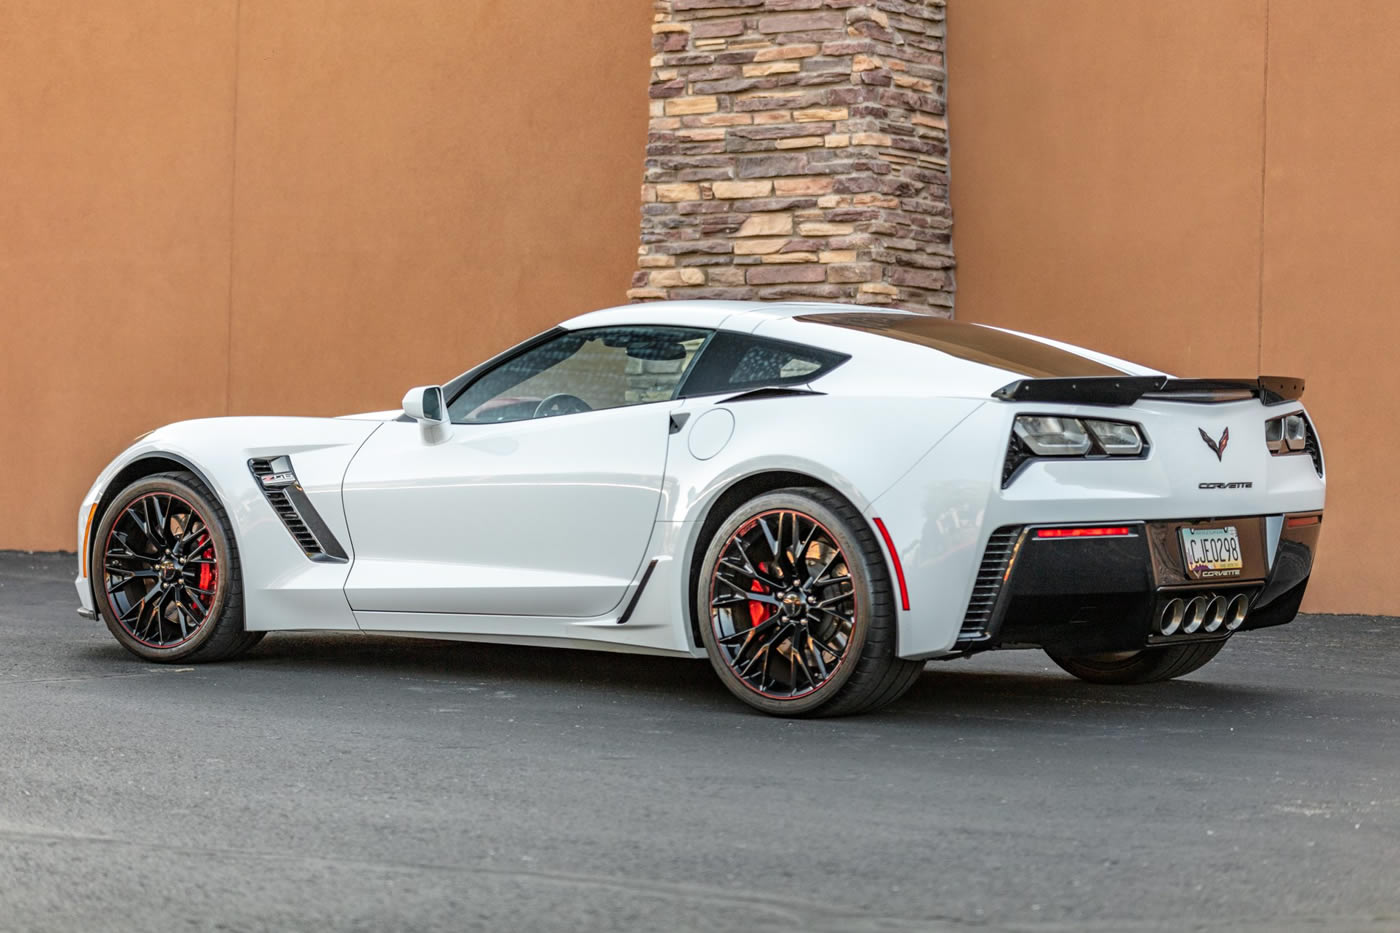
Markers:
point(280, 487)
point(1001, 547)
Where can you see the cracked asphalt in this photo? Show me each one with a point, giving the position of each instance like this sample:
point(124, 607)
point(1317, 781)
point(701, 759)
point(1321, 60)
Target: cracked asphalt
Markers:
point(355, 783)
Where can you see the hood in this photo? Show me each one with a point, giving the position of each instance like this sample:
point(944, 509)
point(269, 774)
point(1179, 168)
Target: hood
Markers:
point(392, 414)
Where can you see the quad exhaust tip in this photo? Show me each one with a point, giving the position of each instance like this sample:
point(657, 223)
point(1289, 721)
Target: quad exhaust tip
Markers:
point(1215, 614)
point(1173, 614)
point(1234, 616)
point(1195, 615)
point(1205, 613)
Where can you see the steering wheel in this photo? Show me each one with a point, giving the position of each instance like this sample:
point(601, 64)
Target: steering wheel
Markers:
point(560, 403)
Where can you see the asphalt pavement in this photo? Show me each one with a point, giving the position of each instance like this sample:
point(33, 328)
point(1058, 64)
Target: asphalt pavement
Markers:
point(362, 783)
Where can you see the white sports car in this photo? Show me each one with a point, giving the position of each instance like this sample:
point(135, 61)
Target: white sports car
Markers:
point(818, 498)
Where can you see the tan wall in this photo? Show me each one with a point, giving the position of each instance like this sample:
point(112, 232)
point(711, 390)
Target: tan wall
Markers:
point(1208, 186)
point(223, 207)
point(255, 206)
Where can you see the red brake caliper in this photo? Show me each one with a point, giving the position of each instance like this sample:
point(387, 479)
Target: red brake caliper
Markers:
point(206, 571)
point(758, 612)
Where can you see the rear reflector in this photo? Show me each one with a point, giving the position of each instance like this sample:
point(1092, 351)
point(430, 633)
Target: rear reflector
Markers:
point(1297, 521)
point(87, 536)
point(898, 568)
point(1113, 531)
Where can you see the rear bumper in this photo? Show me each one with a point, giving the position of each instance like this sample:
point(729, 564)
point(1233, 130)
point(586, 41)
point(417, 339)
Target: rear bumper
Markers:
point(1084, 595)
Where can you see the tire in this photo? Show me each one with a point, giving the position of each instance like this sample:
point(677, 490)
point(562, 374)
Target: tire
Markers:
point(1140, 667)
point(757, 605)
point(167, 534)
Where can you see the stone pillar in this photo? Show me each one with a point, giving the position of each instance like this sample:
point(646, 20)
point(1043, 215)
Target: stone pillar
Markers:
point(798, 149)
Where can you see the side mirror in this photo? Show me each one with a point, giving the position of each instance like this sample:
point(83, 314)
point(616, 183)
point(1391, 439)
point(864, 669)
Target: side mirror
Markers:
point(425, 405)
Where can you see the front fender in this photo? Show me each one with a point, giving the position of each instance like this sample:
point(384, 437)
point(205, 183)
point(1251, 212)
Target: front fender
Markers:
point(282, 588)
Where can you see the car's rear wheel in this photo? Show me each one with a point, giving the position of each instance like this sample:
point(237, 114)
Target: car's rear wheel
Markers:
point(796, 608)
point(1140, 667)
point(166, 573)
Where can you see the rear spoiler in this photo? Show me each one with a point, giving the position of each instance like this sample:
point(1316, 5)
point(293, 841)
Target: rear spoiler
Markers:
point(1125, 390)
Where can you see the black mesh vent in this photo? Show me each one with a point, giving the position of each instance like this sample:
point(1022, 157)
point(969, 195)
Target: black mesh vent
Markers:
point(1017, 453)
point(1313, 448)
point(1000, 546)
point(282, 504)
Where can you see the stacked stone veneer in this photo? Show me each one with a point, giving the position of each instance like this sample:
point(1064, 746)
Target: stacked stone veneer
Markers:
point(798, 149)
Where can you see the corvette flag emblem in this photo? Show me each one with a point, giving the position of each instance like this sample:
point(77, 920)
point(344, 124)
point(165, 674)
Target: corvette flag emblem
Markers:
point(1217, 447)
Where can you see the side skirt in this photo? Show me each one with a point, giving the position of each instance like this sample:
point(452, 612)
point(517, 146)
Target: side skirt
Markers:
point(648, 613)
point(530, 640)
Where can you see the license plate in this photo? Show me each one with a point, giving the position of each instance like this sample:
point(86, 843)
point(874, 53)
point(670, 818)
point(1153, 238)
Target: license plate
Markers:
point(1212, 552)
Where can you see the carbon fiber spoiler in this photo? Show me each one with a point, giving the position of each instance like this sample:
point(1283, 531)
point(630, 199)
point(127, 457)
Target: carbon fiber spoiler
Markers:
point(1125, 390)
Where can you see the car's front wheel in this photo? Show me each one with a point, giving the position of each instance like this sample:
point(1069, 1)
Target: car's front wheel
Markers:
point(166, 574)
point(796, 608)
point(1140, 667)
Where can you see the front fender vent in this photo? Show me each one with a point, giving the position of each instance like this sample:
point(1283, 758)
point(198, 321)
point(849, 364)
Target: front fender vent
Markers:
point(283, 492)
point(981, 608)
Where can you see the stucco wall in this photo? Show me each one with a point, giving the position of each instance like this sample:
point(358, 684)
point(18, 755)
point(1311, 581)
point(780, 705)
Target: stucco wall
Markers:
point(256, 206)
point(265, 207)
point(1210, 187)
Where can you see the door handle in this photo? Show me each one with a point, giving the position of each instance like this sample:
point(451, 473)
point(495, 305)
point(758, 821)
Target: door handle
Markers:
point(678, 420)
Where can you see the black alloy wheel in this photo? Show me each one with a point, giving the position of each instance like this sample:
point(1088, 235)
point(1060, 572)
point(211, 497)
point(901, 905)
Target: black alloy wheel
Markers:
point(782, 604)
point(796, 608)
point(160, 574)
point(166, 574)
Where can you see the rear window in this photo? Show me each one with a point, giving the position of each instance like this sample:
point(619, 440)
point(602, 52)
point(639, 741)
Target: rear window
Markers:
point(734, 362)
point(985, 345)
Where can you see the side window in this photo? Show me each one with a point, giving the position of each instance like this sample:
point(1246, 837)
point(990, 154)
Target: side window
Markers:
point(733, 362)
point(587, 370)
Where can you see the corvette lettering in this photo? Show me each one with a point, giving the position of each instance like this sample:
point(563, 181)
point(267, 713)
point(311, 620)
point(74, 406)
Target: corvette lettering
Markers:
point(1246, 484)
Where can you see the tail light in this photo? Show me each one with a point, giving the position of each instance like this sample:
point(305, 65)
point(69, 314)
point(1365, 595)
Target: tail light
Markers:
point(1293, 434)
point(1062, 437)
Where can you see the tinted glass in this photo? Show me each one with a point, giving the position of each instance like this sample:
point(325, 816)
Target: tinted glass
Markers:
point(734, 362)
point(579, 371)
point(985, 345)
